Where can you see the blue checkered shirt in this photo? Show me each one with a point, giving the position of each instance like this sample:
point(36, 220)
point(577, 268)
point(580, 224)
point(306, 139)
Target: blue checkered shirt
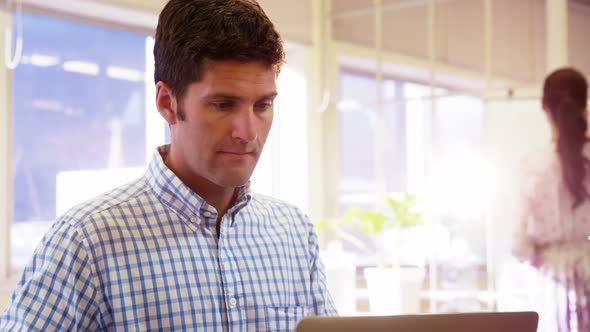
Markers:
point(146, 256)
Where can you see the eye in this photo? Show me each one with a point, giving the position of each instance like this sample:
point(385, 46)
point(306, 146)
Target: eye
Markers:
point(223, 105)
point(261, 107)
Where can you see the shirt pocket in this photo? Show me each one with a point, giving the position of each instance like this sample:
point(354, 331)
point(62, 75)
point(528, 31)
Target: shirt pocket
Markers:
point(284, 318)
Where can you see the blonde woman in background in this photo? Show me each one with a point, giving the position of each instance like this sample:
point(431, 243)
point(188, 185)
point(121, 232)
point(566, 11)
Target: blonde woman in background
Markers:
point(554, 225)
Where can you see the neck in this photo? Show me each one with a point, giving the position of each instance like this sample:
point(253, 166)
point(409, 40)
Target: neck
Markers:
point(221, 198)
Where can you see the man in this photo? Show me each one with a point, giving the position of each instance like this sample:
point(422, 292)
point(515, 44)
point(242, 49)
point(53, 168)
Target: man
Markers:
point(188, 246)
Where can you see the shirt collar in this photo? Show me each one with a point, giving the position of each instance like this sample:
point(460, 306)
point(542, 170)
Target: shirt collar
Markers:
point(174, 193)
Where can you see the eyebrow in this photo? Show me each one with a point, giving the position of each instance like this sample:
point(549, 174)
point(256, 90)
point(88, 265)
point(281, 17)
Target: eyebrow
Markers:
point(230, 96)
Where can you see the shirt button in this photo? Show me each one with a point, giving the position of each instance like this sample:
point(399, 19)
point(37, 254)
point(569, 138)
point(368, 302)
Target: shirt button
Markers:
point(233, 302)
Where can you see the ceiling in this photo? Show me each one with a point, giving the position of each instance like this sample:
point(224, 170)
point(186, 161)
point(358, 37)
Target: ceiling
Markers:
point(518, 29)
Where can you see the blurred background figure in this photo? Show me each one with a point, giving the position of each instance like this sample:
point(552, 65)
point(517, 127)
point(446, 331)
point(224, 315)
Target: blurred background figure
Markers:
point(554, 226)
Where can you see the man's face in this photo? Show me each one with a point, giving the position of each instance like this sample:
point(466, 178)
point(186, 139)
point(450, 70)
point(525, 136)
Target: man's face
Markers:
point(223, 122)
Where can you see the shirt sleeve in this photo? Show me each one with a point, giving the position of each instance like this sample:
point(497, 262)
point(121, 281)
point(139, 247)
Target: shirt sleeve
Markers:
point(58, 290)
point(322, 303)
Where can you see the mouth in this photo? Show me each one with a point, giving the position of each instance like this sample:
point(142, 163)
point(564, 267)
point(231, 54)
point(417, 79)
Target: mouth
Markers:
point(236, 153)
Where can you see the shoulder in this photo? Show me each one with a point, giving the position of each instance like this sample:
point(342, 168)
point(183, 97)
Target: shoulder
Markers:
point(279, 212)
point(274, 206)
point(538, 168)
point(91, 216)
point(539, 160)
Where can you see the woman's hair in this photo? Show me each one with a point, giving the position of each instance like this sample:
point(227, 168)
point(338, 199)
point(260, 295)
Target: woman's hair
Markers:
point(565, 93)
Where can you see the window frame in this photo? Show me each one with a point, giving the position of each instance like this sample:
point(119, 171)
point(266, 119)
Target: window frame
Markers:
point(6, 160)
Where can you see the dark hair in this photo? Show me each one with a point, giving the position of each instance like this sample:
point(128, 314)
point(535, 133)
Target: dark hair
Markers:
point(190, 31)
point(565, 93)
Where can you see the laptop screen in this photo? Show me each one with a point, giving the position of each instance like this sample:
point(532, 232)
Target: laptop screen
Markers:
point(455, 322)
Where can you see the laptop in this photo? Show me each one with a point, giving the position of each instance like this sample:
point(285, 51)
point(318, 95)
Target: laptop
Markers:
point(455, 322)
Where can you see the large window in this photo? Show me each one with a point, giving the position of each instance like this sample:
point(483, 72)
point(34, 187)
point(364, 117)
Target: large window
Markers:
point(372, 140)
point(75, 108)
point(430, 145)
point(79, 120)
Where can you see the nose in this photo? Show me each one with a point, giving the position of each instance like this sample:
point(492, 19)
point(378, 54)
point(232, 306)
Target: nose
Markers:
point(244, 127)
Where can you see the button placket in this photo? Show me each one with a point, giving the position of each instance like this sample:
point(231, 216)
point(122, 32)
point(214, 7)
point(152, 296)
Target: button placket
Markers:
point(229, 279)
point(233, 302)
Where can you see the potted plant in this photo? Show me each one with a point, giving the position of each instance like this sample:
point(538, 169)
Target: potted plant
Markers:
point(392, 289)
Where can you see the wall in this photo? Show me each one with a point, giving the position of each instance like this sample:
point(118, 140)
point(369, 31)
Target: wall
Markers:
point(518, 32)
point(518, 46)
point(579, 28)
point(518, 29)
point(287, 15)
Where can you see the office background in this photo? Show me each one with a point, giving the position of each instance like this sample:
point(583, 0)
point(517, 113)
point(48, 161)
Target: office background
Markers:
point(438, 98)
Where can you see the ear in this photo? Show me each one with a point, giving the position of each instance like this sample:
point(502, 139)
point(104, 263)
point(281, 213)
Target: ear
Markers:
point(166, 102)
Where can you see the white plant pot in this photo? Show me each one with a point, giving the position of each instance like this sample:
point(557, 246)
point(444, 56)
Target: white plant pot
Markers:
point(394, 291)
point(411, 280)
point(384, 290)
